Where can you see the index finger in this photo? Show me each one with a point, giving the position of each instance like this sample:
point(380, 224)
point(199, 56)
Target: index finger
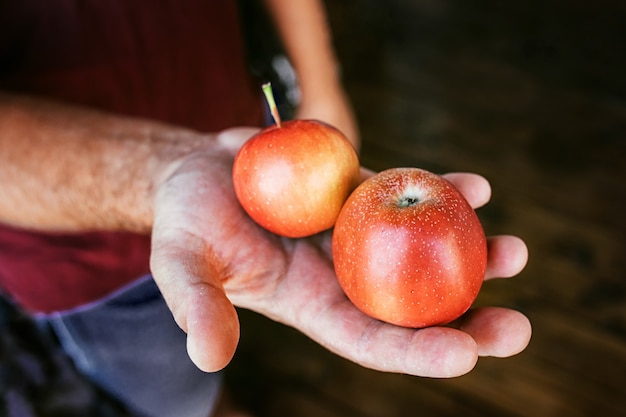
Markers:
point(475, 188)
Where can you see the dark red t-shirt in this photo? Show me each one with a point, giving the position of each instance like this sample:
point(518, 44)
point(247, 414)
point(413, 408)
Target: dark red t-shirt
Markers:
point(178, 61)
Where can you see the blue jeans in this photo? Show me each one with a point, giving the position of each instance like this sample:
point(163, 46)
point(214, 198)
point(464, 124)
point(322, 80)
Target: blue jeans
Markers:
point(129, 344)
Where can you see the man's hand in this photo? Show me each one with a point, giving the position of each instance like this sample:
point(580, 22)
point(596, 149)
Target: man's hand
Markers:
point(208, 255)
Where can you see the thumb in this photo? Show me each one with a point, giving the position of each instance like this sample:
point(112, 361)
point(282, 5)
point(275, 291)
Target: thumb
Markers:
point(212, 328)
point(199, 305)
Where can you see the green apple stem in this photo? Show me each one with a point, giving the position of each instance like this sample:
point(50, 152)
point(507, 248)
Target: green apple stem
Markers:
point(269, 96)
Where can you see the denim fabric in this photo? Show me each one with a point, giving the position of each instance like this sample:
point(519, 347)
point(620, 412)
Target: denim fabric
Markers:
point(130, 345)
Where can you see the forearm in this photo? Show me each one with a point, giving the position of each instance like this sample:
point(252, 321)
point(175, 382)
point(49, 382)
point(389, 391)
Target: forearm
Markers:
point(69, 168)
point(303, 28)
point(306, 36)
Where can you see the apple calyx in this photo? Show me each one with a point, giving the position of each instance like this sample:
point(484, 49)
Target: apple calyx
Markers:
point(410, 197)
point(408, 201)
point(269, 97)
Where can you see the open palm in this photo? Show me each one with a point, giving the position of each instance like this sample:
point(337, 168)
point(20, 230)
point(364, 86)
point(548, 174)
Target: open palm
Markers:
point(208, 256)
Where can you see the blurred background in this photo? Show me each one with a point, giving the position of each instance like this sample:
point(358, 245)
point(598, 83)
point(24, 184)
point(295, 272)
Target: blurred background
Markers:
point(532, 95)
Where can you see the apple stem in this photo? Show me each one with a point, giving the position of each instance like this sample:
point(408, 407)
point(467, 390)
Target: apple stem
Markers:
point(269, 96)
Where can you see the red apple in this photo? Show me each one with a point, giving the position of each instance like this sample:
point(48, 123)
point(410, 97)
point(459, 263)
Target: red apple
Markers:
point(293, 178)
point(409, 249)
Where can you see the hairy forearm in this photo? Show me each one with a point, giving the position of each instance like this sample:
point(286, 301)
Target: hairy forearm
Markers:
point(69, 168)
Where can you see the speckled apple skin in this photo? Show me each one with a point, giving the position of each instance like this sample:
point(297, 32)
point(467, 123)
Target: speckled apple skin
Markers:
point(294, 179)
point(413, 263)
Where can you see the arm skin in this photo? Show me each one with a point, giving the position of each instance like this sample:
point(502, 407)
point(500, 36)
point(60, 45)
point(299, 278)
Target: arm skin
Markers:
point(303, 28)
point(67, 168)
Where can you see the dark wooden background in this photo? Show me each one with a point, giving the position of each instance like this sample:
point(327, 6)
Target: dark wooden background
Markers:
point(530, 94)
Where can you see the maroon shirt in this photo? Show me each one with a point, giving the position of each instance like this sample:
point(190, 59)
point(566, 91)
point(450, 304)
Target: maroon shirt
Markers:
point(179, 61)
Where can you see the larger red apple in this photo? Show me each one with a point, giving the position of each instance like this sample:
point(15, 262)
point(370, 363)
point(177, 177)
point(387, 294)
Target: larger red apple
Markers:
point(409, 249)
point(293, 178)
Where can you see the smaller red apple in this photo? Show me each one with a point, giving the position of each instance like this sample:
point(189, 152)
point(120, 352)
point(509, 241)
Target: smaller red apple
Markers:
point(293, 178)
point(408, 249)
